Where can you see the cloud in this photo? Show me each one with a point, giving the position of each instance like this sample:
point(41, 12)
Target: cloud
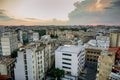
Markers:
point(40, 9)
point(95, 12)
point(4, 17)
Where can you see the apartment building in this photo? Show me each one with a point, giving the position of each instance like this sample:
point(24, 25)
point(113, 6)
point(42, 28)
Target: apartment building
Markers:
point(70, 58)
point(32, 62)
point(9, 43)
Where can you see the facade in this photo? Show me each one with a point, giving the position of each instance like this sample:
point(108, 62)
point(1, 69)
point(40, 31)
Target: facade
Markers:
point(9, 43)
point(31, 63)
point(70, 58)
point(7, 65)
point(105, 62)
point(92, 54)
point(115, 39)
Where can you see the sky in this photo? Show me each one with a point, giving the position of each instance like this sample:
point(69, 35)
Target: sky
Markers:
point(59, 12)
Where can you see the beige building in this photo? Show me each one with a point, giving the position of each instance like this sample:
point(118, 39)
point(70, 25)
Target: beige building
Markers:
point(115, 39)
point(92, 54)
point(105, 62)
point(7, 67)
point(9, 43)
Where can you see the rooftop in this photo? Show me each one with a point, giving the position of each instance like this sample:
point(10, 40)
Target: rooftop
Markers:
point(116, 67)
point(116, 50)
point(102, 44)
point(70, 48)
point(6, 60)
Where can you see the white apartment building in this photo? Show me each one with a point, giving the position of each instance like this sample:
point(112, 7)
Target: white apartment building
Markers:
point(31, 64)
point(35, 36)
point(70, 58)
point(9, 43)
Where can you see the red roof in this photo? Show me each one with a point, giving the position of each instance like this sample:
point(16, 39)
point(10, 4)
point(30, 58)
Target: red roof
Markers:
point(116, 67)
point(3, 77)
point(116, 50)
point(111, 49)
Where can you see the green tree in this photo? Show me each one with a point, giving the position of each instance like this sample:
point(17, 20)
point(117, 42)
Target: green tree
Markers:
point(57, 73)
point(41, 32)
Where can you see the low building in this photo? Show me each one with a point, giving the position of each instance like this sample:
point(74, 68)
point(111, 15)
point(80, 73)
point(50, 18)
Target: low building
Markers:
point(94, 48)
point(7, 65)
point(70, 58)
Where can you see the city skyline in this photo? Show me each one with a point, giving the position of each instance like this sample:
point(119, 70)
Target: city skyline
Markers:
point(59, 12)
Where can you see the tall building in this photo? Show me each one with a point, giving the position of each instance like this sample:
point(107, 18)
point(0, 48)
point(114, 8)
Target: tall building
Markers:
point(115, 39)
point(7, 65)
point(20, 36)
point(70, 58)
point(35, 36)
point(105, 62)
point(9, 43)
point(31, 62)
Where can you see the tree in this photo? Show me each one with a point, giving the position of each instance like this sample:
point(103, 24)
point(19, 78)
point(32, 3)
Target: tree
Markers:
point(41, 32)
point(54, 36)
point(57, 73)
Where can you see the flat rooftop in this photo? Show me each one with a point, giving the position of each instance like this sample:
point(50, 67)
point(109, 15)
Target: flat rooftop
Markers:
point(70, 48)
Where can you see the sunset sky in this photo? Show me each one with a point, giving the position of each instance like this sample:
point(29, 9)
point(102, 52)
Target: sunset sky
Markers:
point(59, 12)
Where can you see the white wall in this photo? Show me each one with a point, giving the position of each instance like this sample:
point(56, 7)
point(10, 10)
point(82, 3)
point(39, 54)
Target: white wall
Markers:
point(19, 67)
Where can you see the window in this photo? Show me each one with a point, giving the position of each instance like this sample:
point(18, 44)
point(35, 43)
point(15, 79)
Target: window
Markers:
point(66, 59)
point(26, 77)
point(25, 61)
point(24, 56)
point(78, 53)
point(25, 67)
point(66, 67)
point(66, 63)
point(26, 73)
point(66, 54)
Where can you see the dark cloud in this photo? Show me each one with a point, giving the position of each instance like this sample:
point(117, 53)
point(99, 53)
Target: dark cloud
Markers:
point(4, 17)
point(116, 3)
point(86, 12)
